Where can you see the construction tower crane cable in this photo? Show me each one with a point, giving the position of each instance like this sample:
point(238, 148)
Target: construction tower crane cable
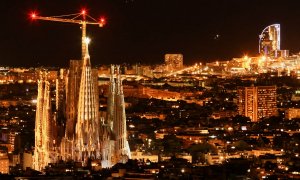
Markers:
point(74, 18)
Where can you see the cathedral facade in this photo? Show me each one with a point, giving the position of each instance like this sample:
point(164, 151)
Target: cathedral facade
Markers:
point(83, 134)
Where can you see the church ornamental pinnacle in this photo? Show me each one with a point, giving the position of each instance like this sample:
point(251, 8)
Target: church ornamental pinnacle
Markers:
point(74, 130)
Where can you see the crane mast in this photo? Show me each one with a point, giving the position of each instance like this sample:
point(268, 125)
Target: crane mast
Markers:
point(73, 18)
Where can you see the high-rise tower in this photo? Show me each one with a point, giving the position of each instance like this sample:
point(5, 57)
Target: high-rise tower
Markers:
point(257, 102)
point(269, 40)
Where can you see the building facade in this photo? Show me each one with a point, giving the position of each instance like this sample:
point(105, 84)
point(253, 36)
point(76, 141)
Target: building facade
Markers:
point(173, 62)
point(269, 40)
point(292, 113)
point(257, 102)
point(4, 163)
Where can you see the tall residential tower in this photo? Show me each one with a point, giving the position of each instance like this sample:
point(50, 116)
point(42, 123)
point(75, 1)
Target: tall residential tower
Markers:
point(257, 102)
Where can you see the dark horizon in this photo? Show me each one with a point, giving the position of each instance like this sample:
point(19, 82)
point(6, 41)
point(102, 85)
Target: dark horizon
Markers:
point(142, 31)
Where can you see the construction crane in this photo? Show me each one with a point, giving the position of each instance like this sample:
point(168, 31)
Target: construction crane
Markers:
point(74, 18)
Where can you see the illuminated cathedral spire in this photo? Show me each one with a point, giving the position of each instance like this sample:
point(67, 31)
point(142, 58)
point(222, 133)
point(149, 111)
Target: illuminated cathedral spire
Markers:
point(44, 151)
point(87, 143)
point(111, 98)
point(121, 150)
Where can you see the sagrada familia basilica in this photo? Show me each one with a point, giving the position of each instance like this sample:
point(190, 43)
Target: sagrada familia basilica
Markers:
point(74, 129)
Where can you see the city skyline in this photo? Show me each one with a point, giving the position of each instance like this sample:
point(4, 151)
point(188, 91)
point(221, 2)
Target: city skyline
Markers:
point(150, 89)
point(143, 31)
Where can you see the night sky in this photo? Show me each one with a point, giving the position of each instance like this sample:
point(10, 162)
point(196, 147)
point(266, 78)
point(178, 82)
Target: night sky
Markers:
point(142, 31)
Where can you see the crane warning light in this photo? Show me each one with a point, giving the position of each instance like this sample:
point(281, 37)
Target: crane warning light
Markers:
point(33, 15)
point(102, 22)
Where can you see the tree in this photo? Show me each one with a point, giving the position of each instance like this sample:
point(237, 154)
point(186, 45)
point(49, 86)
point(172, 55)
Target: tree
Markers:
point(241, 145)
point(241, 119)
point(202, 147)
point(172, 144)
point(269, 166)
point(198, 150)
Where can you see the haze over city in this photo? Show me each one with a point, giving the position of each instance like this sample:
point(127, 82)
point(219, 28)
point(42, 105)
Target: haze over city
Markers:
point(142, 31)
